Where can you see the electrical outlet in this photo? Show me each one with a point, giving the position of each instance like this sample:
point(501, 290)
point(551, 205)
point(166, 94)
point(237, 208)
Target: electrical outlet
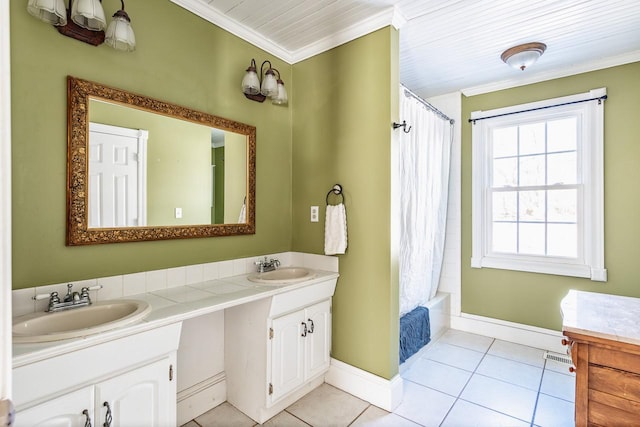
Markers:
point(314, 214)
point(178, 212)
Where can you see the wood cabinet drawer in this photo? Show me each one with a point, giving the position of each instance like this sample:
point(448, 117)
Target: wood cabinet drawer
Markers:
point(614, 382)
point(605, 415)
point(615, 358)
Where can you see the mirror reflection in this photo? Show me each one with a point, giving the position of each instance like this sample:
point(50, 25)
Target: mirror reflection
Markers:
point(144, 169)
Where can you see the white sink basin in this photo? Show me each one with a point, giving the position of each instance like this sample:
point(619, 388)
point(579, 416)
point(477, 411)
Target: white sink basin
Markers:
point(78, 322)
point(283, 276)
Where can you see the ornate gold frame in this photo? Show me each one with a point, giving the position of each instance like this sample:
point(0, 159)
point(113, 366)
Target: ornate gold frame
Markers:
point(78, 233)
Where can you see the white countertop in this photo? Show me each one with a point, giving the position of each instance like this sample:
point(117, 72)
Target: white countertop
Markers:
point(611, 317)
point(168, 306)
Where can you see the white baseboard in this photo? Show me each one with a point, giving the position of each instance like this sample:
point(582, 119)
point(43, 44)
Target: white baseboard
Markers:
point(532, 336)
point(383, 393)
point(202, 397)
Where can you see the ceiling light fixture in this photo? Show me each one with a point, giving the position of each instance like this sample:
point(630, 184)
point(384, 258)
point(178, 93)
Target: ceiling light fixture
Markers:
point(258, 88)
point(524, 55)
point(84, 20)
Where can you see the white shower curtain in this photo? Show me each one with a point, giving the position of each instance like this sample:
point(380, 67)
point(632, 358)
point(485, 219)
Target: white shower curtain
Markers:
point(424, 184)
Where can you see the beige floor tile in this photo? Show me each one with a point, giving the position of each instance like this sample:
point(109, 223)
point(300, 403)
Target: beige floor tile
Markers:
point(224, 415)
point(376, 417)
point(328, 406)
point(190, 424)
point(285, 419)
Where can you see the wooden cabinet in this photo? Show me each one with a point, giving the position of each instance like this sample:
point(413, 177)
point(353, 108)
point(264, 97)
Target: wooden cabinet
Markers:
point(607, 381)
point(604, 343)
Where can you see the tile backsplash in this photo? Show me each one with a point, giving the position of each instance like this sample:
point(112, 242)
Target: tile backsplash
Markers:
point(138, 283)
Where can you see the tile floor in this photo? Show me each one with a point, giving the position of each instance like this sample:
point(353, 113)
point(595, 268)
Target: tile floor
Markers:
point(459, 380)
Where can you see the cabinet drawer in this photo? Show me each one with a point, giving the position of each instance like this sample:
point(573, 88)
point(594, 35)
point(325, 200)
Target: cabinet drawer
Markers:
point(287, 302)
point(615, 358)
point(604, 415)
point(614, 382)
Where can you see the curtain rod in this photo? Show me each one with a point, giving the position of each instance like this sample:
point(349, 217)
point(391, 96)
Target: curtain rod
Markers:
point(442, 115)
point(599, 99)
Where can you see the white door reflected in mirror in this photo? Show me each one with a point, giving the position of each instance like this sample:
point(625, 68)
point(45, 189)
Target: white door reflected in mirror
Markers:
point(117, 176)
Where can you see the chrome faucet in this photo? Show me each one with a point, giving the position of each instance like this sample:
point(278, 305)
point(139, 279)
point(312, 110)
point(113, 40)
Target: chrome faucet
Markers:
point(70, 300)
point(267, 265)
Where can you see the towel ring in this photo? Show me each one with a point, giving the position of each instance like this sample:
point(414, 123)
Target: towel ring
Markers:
point(337, 190)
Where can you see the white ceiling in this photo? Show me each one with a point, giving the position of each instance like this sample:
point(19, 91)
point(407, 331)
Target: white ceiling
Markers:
point(445, 45)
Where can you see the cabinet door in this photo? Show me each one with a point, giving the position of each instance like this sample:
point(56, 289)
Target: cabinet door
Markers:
point(318, 340)
point(142, 397)
point(287, 357)
point(64, 411)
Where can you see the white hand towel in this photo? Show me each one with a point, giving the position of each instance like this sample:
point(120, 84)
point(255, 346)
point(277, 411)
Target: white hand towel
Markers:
point(335, 230)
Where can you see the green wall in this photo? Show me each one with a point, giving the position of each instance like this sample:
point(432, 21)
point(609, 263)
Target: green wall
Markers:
point(194, 64)
point(534, 299)
point(342, 134)
point(218, 160)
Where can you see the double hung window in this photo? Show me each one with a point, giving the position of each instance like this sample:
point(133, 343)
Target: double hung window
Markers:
point(538, 187)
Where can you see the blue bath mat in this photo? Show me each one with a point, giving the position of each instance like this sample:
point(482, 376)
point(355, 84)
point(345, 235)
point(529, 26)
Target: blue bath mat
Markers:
point(415, 332)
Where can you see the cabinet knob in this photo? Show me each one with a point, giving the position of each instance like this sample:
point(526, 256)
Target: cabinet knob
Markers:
point(304, 329)
point(312, 327)
point(572, 369)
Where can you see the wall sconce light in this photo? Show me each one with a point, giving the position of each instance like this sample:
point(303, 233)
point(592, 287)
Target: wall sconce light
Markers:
point(84, 20)
point(258, 88)
point(524, 55)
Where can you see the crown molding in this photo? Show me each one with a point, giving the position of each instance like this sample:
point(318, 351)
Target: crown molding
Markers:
point(586, 67)
point(389, 16)
point(359, 29)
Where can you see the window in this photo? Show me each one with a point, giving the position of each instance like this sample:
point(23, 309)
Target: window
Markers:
point(538, 187)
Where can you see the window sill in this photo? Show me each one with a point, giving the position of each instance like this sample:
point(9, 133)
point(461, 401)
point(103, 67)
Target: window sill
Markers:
point(559, 269)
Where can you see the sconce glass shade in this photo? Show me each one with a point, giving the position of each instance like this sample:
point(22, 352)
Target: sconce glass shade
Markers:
point(269, 84)
point(281, 98)
point(524, 55)
point(250, 81)
point(52, 12)
point(88, 14)
point(119, 34)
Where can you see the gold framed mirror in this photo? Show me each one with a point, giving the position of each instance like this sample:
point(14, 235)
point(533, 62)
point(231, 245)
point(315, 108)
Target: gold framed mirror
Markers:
point(141, 169)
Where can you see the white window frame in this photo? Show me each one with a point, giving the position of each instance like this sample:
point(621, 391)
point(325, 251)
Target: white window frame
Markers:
point(590, 260)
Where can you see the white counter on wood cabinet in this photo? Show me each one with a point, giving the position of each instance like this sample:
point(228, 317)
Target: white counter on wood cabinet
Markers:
point(612, 317)
point(603, 337)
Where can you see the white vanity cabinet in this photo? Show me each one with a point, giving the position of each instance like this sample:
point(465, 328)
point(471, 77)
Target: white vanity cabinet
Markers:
point(134, 375)
point(300, 344)
point(70, 410)
point(278, 349)
point(139, 397)
point(130, 399)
